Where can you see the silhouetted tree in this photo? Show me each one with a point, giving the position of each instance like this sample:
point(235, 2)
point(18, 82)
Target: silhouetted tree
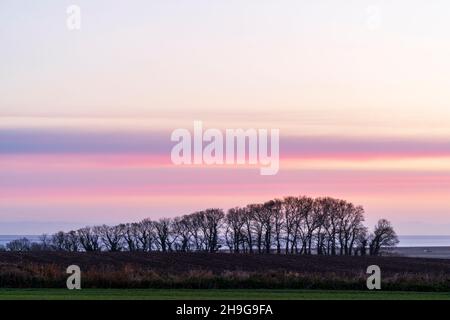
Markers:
point(383, 236)
point(234, 233)
point(89, 238)
point(145, 233)
point(162, 234)
point(19, 245)
point(296, 225)
point(111, 237)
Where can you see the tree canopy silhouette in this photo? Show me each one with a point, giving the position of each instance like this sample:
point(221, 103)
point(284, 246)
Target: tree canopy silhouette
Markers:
point(292, 225)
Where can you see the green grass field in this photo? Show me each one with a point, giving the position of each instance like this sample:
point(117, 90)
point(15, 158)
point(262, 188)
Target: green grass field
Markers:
point(164, 294)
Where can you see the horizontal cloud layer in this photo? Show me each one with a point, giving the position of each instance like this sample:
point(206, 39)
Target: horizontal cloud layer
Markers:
point(157, 143)
point(106, 176)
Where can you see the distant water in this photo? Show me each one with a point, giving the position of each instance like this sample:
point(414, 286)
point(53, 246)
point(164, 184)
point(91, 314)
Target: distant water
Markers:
point(424, 241)
point(405, 241)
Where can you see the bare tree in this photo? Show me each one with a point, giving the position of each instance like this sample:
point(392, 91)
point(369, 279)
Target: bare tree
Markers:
point(45, 242)
point(111, 237)
point(89, 238)
point(235, 221)
point(248, 218)
point(289, 210)
point(361, 241)
point(145, 234)
point(71, 241)
point(383, 236)
point(58, 241)
point(212, 220)
point(181, 227)
point(322, 211)
point(276, 220)
point(19, 245)
point(130, 233)
point(300, 225)
point(314, 222)
point(303, 224)
point(355, 228)
point(259, 216)
point(162, 233)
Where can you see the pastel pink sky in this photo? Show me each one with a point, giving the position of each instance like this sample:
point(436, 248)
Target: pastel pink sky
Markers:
point(359, 93)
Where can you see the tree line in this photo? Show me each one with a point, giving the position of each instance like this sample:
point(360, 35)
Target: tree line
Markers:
point(292, 225)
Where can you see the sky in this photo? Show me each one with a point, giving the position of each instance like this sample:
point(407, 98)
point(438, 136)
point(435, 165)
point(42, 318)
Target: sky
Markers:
point(358, 90)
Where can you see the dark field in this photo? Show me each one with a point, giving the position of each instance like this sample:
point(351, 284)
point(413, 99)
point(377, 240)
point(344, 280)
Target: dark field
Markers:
point(179, 262)
point(220, 270)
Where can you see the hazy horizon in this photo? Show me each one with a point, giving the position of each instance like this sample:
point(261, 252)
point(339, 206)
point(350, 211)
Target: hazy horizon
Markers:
point(405, 241)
